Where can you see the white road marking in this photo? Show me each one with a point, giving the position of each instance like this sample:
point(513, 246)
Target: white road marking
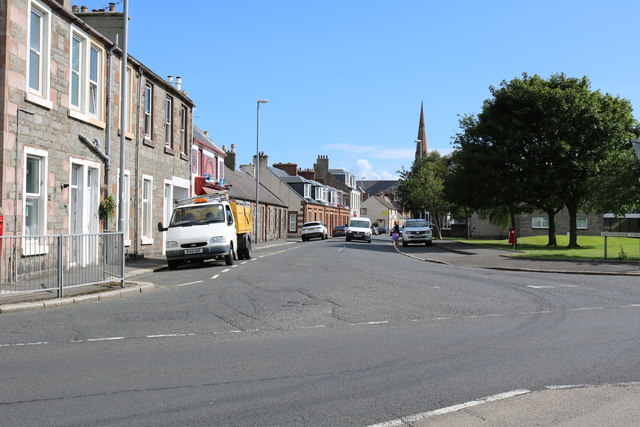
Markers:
point(585, 309)
point(340, 249)
point(170, 335)
point(215, 277)
point(24, 343)
point(369, 323)
point(244, 262)
point(105, 339)
point(190, 283)
point(234, 266)
point(568, 286)
point(449, 409)
point(540, 287)
point(225, 270)
point(630, 306)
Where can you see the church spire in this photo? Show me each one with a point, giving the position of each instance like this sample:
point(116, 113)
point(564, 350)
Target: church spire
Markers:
point(421, 147)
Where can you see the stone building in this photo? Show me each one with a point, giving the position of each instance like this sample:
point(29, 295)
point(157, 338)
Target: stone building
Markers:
point(60, 129)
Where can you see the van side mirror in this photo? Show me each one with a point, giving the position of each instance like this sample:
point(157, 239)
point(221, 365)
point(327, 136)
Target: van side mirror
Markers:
point(161, 228)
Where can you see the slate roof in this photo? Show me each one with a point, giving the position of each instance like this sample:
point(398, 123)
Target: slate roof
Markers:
point(243, 187)
point(374, 187)
point(205, 141)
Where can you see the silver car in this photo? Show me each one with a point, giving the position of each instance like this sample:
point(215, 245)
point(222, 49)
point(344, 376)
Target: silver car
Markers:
point(416, 231)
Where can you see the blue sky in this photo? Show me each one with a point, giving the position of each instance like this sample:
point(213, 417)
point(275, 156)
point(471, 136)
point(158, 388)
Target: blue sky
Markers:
point(346, 78)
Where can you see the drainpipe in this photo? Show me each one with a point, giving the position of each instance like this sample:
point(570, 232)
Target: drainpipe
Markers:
point(107, 134)
point(137, 165)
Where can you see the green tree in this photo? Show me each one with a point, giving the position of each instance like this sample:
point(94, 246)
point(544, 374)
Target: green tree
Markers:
point(543, 141)
point(422, 187)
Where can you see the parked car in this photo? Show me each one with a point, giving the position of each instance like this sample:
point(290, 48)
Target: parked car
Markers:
point(383, 230)
point(313, 229)
point(374, 230)
point(359, 229)
point(416, 231)
point(340, 230)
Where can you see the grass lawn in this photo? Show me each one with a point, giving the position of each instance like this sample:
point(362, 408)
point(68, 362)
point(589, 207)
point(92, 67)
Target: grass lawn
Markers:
point(591, 247)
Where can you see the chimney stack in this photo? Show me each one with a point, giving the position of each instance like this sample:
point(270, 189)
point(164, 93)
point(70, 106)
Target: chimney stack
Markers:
point(230, 160)
point(290, 168)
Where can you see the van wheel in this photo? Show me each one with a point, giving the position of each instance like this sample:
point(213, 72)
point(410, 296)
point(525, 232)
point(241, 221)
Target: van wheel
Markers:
point(404, 244)
point(173, 265)
point(230, 257)
point(429, 243)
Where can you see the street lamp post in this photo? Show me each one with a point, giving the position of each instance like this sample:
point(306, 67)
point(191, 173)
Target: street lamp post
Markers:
point(257, 169)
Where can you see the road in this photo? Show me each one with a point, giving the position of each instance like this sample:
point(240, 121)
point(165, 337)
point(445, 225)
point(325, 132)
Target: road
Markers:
point(317, 333)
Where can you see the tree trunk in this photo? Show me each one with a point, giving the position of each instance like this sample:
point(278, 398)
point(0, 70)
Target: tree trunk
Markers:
point(468, 218)
point(552, 228)
point(437, 223)
point(572, 207)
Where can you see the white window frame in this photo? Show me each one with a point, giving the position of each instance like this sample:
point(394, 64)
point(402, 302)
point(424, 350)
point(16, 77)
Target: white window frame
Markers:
point(41, 95)
point(127, 204)
point(183, 130)
point(540, 222)
point(307, 191)
point(146, 214)
point(95, 82)
point(168, 122)
point(293, 222)
point(80, 108)
point(35, 246)
point(148, 111)
point(585, 226)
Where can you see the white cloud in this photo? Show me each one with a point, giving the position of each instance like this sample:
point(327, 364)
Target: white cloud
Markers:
point(363, 168)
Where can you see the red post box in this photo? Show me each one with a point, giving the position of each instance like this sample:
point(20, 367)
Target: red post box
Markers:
point(512, 236)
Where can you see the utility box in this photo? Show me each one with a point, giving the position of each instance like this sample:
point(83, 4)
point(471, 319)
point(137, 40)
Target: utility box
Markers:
point(512, 236)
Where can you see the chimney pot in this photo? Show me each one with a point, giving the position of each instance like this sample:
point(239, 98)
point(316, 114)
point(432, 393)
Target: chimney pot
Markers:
point(112, 7)
point(233, 148)
point(170, 80)
point(84, 9)
point(206, 133)
point(178, 82)
point(75, 8)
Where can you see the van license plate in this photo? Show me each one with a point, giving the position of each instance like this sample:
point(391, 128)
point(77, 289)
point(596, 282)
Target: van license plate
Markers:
point(193, 251)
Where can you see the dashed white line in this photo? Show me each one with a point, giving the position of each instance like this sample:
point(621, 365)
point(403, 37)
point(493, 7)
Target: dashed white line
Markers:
point(225, 270)
point(215, 277)
point(170, 335)
point(24, 344)
point(585, 309)
point(370, 323)
point(190, 283)
point(105, 339)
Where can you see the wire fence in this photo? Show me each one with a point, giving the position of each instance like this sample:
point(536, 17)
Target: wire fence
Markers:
point(38, 263)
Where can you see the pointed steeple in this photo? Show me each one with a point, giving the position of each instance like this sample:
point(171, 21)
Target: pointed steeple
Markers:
point(421, 147)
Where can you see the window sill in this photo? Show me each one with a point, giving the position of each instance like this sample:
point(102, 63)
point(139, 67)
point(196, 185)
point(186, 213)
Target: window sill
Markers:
point(78, 115)
point(184, 156)
point(146, 241)
point(170, 151)
point(38, 100)
point(127, 243)
point(148, 143)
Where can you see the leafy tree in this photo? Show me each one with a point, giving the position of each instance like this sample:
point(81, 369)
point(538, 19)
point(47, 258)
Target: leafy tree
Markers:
point(616, 188)
point(543, 141)
point(422, 187)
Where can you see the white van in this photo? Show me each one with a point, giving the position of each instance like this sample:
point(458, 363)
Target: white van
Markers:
point(359, 229)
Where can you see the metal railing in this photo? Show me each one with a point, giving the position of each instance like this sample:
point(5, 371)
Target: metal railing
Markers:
point(45, 263)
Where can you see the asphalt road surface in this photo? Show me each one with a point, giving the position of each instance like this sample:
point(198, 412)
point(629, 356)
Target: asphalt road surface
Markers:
point(316, 333)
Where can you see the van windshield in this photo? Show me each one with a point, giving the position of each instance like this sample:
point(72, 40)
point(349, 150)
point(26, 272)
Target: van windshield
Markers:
point(417, 223)
point(195, 215)
point(357, 223)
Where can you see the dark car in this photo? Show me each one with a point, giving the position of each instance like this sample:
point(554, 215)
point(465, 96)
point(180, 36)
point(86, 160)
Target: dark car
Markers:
point(383, 230)
point(340, 230)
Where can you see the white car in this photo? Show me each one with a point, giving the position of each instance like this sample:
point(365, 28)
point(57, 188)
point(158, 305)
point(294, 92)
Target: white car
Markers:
point(359, 229)
point(416, 231)
point(313, 229)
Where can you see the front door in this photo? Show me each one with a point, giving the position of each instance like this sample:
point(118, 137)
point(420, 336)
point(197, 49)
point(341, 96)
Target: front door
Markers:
point(83, 214)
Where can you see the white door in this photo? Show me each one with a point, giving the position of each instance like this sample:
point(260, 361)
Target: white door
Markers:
point(83, 214)
point(167, 210)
